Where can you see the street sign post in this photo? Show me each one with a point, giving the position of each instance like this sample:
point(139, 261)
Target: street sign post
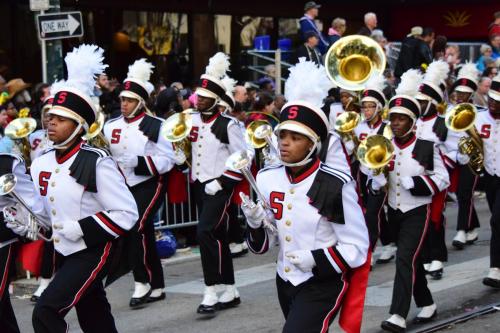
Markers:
point(60, 25)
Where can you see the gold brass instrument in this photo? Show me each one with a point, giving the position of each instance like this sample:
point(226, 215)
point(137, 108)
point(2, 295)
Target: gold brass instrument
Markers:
point(442, 107)
point(241, 161)
point(352, 60)
point(18, 130)
point(375, 152)
point(7, 187)
point(250, 137)
point(94, 135)
point(176, 129)
point(345, 124)
point(461, 118)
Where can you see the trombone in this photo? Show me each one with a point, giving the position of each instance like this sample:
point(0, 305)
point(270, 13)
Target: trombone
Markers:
point(176, 129)
point(375, 152)
point(461, 118)
point(94, 135)
point(18, 130)
point(240, 161)
point(7, 186)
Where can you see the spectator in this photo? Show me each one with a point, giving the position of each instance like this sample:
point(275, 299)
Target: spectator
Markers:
point(452, 55)
point(266, 85)
point(40, 93)
point(251, 94)
point(4, 119)
point(490, 72)
point(102, 85)
point(185, 94)
point(414, 52)
point(494, 28)
point(238, 112)
point(308, 50)
point(18, 93)
point(486, 52)
point(263, 109)
point(168, 102)
point(337, 30)
point(481, 95)
point(439, 47)
point(370, 24)
point(279, 101)
point(378, 36)
point(257, 26)
point(495, 45)
point(307, 24)
point(241, 95)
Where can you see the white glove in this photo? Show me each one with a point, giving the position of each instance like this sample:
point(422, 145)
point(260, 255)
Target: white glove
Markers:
point(463, 159)
point(19, 229)
point(349, 147)
point(70, 230)
point(213, 187)
point(128, 161)
point(407, 182)
point(179, 157)
point(302, 259)
point(14, 220)
point(253, 212)
point(378, 181)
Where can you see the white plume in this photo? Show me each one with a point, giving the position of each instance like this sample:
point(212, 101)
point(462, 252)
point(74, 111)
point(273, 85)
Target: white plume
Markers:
point(140, 70)
point(437, 72)
point(57, 86)
point(376, 82)
point(218, 65)
point(228, 84)
point(469, 70)
point(307, 82)
point(410, 81)
point(84, 63)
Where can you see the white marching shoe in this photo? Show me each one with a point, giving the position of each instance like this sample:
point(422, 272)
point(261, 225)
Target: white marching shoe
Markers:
point(142, 291)
point(156, 295)
point(436, 270)
point(427, 314)
point(493, 278)
point(229, 298)
point(44, 283)
point(238, 249)
point(387, 254)
point(209, 303)
point(460, 240)
point(471, 236)
point(395, 324)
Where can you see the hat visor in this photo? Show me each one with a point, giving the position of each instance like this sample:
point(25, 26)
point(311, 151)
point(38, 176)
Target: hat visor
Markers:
point(206, 93)
point(422, 97)
point(495, 95)
point(296, 127)
point(464, 89)
point(405, 111)
point(66, 113)
point(129, 94)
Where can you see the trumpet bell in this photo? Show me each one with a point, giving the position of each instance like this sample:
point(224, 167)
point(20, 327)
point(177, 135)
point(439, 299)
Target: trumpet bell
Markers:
point(7, 183)
point(375, 152)
point(352, 60)
point(263, 131)
point(177, 127)
point(346, 122)
point(250, 136)
point(20, 128)
point(238, 160)
point(461, 117)
point(95, 128)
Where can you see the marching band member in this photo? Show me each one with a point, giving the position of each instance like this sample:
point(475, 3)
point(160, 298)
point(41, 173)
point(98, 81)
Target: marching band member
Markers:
point(416, 173)
point(214, 137)
point(372, 104)
point(144, 156)
point(488, 126)
point(430, 126)
point(88, 202)
point(10, 231)
point(467, 221)
point(316, 251)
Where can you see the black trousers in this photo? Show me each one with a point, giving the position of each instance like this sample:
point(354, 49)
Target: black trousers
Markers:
point(8, 322)
point(410, 229)
point(235, 229)
point(141, 241)
point(467, 216)
point(376, 220)
point(212, 235)
point(77, 283)
point(492, 188)
point(435, 243)
point(47, 268)
point(312, 305)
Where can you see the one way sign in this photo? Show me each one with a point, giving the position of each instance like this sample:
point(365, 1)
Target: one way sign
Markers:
point(60, 25)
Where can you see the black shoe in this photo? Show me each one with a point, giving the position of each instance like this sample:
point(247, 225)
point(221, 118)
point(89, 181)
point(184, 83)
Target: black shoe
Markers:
point(458, 245)
point(152, 299)
point(384, 261)
point(227, 305)
point(34, 298)
point(423, 320)
point(388, 326)
point(436, 275)
point(207, 310)
point(494, 283)
point(136, 302)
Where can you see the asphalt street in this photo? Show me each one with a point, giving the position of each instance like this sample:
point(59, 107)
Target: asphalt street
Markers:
point(459, 291)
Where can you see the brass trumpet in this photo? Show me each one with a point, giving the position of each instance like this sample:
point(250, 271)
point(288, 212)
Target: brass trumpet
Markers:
point(258, 134)
point(18, 130)
point(375, 152)
point(7, 187)
point(94, 135)
point(176, 129)
point(461, 118)
point(345, 124)
point(352, 60)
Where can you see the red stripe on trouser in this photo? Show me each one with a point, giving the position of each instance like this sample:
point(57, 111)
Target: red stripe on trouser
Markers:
point(338, 302)
point(471, 209)
point(145, 261)
point(150, 206)
point(91, 278)
point(5, 275)
point(379, 224)
point(417, 251)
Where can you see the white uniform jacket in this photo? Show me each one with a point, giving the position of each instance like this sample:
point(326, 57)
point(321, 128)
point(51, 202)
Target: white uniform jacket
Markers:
point(84, 185)
point(489, 131)
point(338, 243)
point(38, 142)
point(140, 136)
point(212, 142)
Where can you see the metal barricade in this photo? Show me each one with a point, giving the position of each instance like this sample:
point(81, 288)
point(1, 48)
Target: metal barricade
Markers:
point(259, 59)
